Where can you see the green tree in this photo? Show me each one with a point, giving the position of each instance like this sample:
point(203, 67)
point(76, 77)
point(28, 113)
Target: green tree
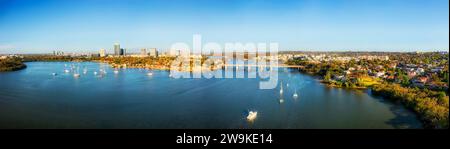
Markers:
point(327, 76)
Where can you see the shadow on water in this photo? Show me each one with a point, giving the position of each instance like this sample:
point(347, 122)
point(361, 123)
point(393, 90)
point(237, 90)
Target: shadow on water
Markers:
point(404, 118)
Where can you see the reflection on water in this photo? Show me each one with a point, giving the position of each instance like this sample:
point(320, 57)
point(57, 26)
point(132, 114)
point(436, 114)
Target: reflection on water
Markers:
point(133, 98)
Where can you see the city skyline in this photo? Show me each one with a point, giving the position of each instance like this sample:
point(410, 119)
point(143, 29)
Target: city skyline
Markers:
point(386, 25)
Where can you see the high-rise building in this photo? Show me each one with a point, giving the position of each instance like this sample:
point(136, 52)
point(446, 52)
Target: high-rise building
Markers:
point(143, 51)
point(175, 52)
point(58, 53)
point(102, 52)
point(122, 51)
point(117, 49)
point(153, 52)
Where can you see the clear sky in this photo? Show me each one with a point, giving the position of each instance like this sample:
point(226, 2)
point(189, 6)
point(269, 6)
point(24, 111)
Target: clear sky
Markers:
point(39, 26)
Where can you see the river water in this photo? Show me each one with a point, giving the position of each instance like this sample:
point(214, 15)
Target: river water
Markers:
point(34, 98)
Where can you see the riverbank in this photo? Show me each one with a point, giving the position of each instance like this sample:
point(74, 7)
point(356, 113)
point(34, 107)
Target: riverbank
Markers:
point(11, 64)
point(432, 107)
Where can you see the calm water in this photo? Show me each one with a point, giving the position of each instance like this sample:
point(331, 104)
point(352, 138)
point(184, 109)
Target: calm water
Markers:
point(34, 98)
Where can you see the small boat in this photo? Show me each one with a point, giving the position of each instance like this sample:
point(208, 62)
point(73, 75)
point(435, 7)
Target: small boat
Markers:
point(281, 88)
point(149, 74)
point(54, 74)
point(76, 75)
point(287, 85)
point(281, 100)
point(116, 71)
point(66, 70)
point(95, 72)
point(295, 95)
point(252, 115)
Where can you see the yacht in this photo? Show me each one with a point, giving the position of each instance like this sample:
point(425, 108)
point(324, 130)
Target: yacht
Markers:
point(281, 88)
point(295, 94)
point(76, 73)
point(85, 70)
point(252, 115)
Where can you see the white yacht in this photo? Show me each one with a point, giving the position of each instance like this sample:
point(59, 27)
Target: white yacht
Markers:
point(295, 94)
point(85, 70)
point(252, 115)
point(281, 88)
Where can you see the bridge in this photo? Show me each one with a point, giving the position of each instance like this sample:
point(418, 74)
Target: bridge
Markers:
point(254, 65)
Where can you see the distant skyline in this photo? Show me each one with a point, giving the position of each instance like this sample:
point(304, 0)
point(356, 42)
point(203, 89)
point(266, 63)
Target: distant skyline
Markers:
point(41, 26)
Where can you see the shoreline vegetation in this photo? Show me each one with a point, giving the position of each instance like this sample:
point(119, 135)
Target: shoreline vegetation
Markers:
point(388, 78)
point(157, 63)
point(11, 64)
point(430, 102)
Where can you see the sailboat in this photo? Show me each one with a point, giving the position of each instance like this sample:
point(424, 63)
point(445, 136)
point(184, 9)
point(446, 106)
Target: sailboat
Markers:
point(295, 94)
point(84, 70)
point(76, 74)
point(281, 88)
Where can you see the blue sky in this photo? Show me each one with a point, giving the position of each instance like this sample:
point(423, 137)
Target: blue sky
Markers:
point(40, 26)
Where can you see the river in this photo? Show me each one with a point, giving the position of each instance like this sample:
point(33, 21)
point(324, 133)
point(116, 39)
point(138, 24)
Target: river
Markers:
point(34, 98)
